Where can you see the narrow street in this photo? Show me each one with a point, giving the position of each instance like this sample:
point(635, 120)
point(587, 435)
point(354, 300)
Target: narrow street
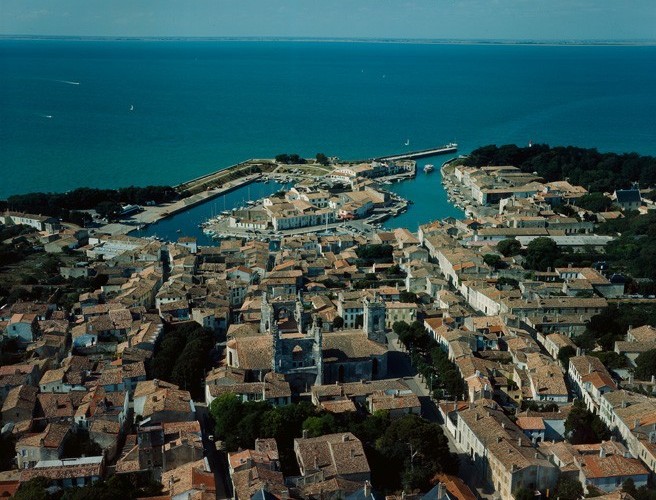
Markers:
point(217, 460)
point(399, 365)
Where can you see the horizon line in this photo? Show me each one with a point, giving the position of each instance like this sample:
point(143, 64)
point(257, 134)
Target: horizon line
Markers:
point(399, 40)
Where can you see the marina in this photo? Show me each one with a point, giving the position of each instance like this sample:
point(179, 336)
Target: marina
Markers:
point(205, 188)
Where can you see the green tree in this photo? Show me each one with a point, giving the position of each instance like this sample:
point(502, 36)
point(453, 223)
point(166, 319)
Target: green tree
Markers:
point(407, 296)
point(628, 486)
point(509, 247)
point(109, 210)
point(541, 254)
point(322, 159)
point(394, 270)
point(375, 253)
point(415, 450)
point(7, 444)
point(34, 489)
point(584, 427)
point(595, 202)
point(319, 425)
point(569, 489)
point(492, 260)
point(227, 411)
point(611, 359)
point(564, 353)
point(646, 365)
point(338, 322)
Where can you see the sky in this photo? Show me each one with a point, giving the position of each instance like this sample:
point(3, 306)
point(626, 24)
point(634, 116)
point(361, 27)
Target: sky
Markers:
point(417, 19)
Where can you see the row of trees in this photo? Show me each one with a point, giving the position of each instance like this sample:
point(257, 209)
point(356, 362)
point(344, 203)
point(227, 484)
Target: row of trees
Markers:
point(290, 159)
point(294, 159)
point(183, 356)
point(118, 486)
point(430, 360)
point(375, 253)
point(407, 451)
point(105, 201)
point(598, 172)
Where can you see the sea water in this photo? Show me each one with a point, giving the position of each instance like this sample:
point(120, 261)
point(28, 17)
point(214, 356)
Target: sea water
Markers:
point(118, 113)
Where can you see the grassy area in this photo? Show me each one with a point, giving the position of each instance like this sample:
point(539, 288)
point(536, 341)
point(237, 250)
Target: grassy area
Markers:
point(222, 177)
point(306, 169)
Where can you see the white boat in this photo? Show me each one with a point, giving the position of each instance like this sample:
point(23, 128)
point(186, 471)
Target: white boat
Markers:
point(428, 168)
point(407, 142)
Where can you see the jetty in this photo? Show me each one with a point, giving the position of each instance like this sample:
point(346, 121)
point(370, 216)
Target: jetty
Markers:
point(208, 186)
point(225, 176)
point(413, 155)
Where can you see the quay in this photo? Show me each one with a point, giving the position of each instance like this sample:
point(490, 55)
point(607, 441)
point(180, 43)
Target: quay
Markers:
point(224, 176)
point(208, 186)
point(150, 215)
point(413, 155)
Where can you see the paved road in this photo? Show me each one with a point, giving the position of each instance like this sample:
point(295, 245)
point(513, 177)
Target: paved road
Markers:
point(217, 460)
point(399, 366)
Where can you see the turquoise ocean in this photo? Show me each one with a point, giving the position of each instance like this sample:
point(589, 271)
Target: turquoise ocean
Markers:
point(117, 113)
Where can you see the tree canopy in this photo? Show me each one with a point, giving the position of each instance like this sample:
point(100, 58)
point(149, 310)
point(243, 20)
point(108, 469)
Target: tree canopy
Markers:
point(509, 247)
point(569, 489)
point(417, 449)
point(64, 205)
point(183, 356)
point(322, 159)
point(646, 365)
point(385, 441)
point(290, 159)
point(541, 254)
point(375, 253)
point(583, 426)
point(597, 172)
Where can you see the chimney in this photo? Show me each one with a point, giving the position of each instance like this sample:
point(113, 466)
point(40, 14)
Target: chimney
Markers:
point(305, 433)
point(503, 425)
point(156, 382)
point(519, 441)
point(345, 438)
point(352, 452)
point(602, 451)
point(367, 489)
point(636, 423)
point(578, 351)
point(441, 491)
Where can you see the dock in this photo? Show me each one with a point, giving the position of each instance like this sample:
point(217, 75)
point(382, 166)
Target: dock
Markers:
point(206, 187)
point(413, 155)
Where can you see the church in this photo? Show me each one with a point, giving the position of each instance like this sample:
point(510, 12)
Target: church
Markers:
point(292, 343)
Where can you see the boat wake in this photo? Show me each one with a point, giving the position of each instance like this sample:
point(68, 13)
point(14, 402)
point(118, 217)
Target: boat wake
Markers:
point(68, 82)
point(44, 116)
